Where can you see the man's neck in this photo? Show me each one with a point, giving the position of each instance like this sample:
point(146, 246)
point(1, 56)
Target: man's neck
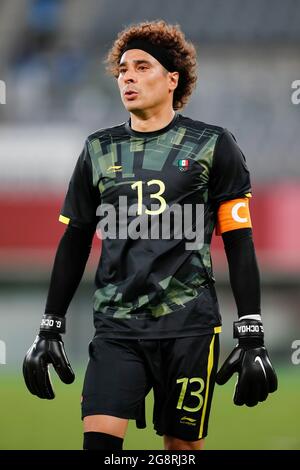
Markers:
point(151, 122)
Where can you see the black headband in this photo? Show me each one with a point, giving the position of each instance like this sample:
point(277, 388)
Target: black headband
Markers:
point(160, 53)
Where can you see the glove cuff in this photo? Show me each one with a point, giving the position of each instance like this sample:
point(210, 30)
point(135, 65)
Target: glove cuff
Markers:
point(248, 329)
point(53, 324)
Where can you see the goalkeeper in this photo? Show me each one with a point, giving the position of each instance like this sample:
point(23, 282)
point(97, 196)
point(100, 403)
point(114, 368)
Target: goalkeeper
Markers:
point(156, 314)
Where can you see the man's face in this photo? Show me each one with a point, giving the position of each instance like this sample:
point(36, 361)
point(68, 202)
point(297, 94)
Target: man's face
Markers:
point(144, 83)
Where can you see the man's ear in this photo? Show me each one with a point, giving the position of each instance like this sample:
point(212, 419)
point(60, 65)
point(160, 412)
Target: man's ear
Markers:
point(173, 80)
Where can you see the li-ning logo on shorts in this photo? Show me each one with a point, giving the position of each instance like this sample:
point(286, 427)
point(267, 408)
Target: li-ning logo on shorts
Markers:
point(183, 164)
point(187, 420)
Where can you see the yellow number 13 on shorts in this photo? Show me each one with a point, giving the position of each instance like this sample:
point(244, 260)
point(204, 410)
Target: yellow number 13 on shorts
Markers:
point(196, 393)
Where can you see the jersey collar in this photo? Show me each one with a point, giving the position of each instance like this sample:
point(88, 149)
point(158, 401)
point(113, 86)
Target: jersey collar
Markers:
point(152, 133)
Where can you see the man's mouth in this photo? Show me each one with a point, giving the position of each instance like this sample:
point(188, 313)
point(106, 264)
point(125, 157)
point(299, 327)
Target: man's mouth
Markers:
point(130, 94)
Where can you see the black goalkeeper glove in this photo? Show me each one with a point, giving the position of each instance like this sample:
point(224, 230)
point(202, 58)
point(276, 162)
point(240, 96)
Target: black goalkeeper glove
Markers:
point(48, 348)
point(256, 376)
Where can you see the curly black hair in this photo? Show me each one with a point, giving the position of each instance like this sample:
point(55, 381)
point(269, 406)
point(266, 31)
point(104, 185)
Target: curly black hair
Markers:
point(182, 53)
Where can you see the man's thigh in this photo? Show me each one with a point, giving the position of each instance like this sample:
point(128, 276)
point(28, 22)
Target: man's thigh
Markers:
point(115, 382)
point(183, 398)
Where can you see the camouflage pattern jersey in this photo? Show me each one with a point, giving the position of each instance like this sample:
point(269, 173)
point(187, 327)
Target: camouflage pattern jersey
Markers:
point(154, 198)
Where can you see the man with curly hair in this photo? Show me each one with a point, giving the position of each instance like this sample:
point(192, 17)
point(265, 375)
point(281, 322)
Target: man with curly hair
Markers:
point(156, 314)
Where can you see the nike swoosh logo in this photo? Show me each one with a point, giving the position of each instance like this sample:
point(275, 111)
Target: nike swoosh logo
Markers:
point(258, 359)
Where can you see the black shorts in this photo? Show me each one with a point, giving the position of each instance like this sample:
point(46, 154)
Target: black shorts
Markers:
point(181, 372)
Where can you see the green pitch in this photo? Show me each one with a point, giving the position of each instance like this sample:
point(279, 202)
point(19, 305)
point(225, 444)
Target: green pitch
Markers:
point(30, 423)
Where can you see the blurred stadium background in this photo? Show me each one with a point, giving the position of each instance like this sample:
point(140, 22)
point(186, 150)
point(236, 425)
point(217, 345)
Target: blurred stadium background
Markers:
point(57, 93)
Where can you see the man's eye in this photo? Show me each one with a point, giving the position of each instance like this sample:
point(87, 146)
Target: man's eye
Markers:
point(122, 71)
point(142, 67)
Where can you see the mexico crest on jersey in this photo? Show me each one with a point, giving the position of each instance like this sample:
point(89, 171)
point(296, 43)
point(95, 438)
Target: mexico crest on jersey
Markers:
point(183, 164)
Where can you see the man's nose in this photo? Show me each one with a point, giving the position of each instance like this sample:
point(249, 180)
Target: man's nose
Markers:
point(129, 77)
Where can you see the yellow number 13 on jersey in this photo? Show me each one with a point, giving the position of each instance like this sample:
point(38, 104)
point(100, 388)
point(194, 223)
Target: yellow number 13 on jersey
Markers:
point(158, 195)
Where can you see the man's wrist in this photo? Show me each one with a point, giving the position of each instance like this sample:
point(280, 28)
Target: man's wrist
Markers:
point(249, 331)
point(252, 316)
point(53, 324)
point(248, 328)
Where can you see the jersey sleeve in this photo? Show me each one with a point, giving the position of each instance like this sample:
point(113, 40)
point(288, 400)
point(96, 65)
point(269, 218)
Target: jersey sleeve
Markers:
point(229, 178)
point(82, 198)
